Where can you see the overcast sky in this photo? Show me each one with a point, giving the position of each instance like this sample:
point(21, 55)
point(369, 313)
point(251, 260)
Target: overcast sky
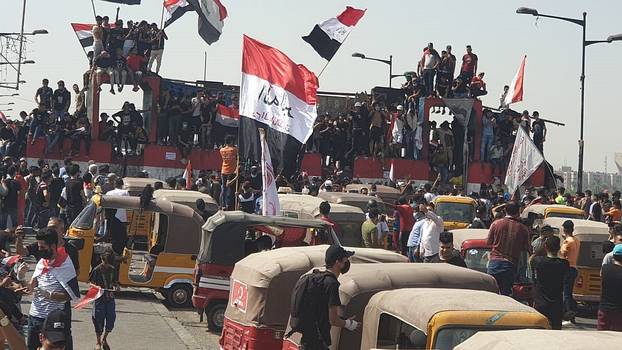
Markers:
point(398, 27)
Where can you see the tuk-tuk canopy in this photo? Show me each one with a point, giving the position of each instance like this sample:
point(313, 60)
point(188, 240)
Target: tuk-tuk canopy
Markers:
point(455, 199)
point(354, 199)
point(386, 193)
point(465, 234)
point(417, 306)
point(369, 278)
point(270, 276)
point(228, 228)
point(188, 198)
point(541, 209)
point(584, 230)
point(182, 220)
point(135, 185)
point(530, 339)
point(309, 207)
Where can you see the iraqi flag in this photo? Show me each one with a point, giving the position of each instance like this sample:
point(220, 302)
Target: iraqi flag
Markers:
point(84, 32)
point(188, 175)
point(212, 14)
point(327, 37)
point(280, 96)
point(270, 205)
point(515, 94)
point(227, 116)
point(91, 295)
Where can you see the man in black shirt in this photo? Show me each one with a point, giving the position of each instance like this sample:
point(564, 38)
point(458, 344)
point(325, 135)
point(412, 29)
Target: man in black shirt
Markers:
point(447, 253)
point(318, 336)
point(74, 193)
point(539, 131)
point(610, 308)
point(43, 97)
point(550, 271)
point(115, 232)
point(61, 101)
point(247, 198)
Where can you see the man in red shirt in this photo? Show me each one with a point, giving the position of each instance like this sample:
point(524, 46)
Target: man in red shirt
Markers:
point(509, 239)
point(136, 65)
point(469, 65)
point(407, 221)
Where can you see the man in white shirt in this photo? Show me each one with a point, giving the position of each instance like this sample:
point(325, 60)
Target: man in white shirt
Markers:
point(430, 233)
point(119, 191)
point(428, 195)
point(429, 64)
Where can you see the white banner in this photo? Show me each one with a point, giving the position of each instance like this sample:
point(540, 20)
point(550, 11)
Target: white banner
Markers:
point(525, 160)
point(276, 107)
point(270, 201)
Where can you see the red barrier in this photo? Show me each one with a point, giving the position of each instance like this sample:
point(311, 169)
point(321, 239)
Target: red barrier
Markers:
point(480, 173)
point(368, 168)
point(312, 164)
point(409, 169)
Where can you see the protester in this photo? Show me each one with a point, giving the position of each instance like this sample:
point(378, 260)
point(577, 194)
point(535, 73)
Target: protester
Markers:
point(550, 272)
point(229, 155)
point(537, 245)
point(430, 232)
point(570, 251)
point(369, 229)
point(405, 212)
point(509, 239)
point(610, 307)
point(447, 253)
point(105, 277)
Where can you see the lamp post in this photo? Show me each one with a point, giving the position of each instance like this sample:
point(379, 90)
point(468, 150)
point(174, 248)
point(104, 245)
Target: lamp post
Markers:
point(9, 95)
point(7, 104)
point(585, 43)
point(389, 62)
point(23, 62)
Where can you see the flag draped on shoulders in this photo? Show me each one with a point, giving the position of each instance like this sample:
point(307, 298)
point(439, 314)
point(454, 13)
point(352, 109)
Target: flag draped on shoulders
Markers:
point(63, 270)
point(212, 14)
point(326, 38)
point(525, 160)
point(280, 96)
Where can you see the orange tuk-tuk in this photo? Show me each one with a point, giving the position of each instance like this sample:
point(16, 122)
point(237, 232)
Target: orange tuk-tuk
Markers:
point(229, 236)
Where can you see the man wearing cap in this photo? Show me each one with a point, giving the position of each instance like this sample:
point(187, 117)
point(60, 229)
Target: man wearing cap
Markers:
point(318, 336)
point(327, 186)
point(610, 307)
point(537, 245)
point(54, 332)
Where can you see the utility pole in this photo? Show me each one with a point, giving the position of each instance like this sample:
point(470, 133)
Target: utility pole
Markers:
point(21, 45)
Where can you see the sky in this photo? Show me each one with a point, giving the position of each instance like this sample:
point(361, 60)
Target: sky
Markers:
point(400, 28)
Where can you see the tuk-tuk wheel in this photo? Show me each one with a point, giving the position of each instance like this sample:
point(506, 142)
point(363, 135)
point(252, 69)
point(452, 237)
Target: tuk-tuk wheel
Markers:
point(179, 295)
point(216, 316)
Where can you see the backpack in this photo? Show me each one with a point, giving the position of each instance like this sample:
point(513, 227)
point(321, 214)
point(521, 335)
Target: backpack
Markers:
point(306, 296)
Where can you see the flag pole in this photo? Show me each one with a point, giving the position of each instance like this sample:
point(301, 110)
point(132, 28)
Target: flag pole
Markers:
point(117, 15)
point(94, 12)
point(205, 66)
point(162, 17)
point(326, 65)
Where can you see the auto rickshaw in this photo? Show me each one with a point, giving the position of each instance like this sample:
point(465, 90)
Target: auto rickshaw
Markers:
point(535, 213)
point(531, 339)
point(456, 212)
point(433, 318)
point(139, 222)
point(136, 185)
point(365, 280)
point(358, 200)
point(475, 250)
point(174, 237)
point(592, 235)
point(386, 193)
point(228, 237)
point(348, 218)
point(258, 308)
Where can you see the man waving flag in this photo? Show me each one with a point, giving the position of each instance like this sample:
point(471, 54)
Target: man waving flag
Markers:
point(280, 96)
point(327, 37)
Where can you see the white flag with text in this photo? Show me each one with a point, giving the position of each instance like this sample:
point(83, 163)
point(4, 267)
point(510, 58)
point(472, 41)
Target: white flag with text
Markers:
point(525, 160)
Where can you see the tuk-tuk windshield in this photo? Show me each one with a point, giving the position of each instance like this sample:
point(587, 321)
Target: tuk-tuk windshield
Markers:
point(565, 215)
point(455, 212)
point(86, 218)
point(477, 259)
point(448, 338)
point(350, 234)
point(394, 333)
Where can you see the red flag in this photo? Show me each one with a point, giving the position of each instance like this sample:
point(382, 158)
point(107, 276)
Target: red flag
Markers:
point(91, 295)
point(515, 94)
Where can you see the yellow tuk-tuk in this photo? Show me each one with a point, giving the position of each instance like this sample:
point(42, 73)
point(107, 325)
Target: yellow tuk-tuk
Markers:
point(175, 238)
point(358, 200)
point(592, 235)
point(456, 211)
point(258, 318)
point(433, 318)
point(538, 212)
point(365, 280)
point(139, 223)
point(386, 193)
point(532, 339)
point(347, 217)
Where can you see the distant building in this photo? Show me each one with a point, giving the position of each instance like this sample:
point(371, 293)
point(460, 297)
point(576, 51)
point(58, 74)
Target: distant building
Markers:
point(596, 181)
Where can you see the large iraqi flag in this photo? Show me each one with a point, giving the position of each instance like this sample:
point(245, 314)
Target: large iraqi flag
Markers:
point(326, 38)
point(280, 96)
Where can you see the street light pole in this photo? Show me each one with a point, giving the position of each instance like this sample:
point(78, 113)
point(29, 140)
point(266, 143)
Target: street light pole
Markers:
point(389, 62)
point(584, 44)
point(390, 71)
point(21, 45)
